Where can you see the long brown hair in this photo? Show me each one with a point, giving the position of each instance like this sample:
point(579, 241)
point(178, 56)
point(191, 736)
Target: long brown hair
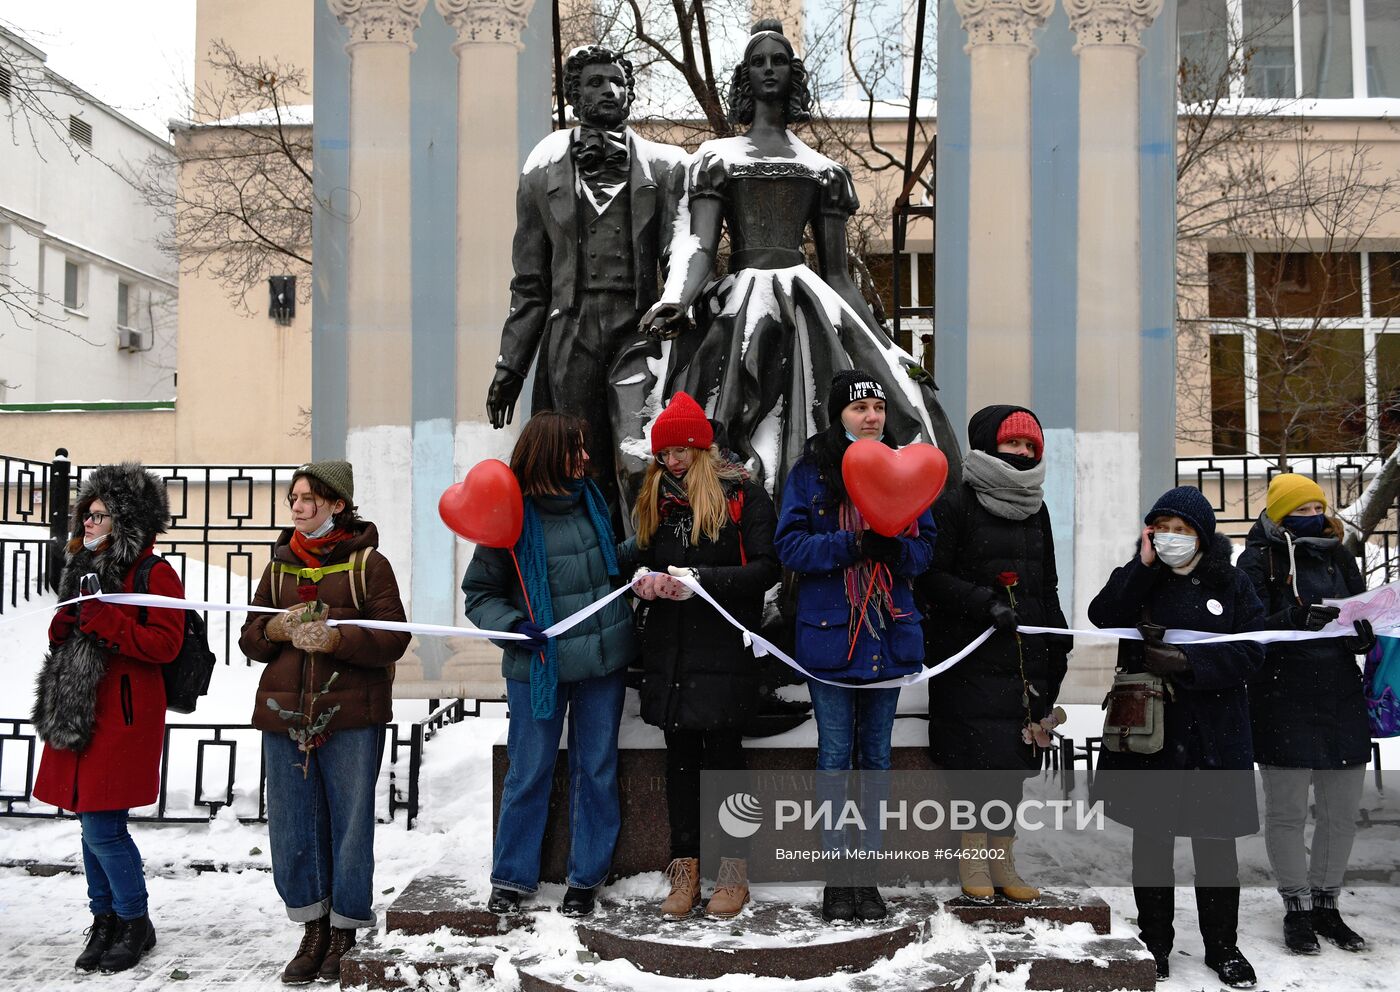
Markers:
point(547, 453)
point(704, 489)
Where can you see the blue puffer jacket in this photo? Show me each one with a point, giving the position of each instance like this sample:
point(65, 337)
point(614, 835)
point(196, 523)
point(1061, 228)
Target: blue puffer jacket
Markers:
point(811, 543)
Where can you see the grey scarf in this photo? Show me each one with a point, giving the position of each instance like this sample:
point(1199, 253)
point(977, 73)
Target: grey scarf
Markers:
point(1002, 490)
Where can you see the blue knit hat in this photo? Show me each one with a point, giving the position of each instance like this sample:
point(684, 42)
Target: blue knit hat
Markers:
point(1190, 505)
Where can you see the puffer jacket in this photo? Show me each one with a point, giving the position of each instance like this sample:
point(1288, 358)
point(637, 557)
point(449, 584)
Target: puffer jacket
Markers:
point(811, 543)
point(1207, 713)
point(1306, 702)
point(600, 645)
point(364, 658)
point(698, 674)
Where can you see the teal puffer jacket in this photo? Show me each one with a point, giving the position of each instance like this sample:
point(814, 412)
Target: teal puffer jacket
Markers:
point(600, 645)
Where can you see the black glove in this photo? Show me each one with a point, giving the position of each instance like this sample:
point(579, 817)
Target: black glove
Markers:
point(1313, 617)
point(1002, 615)
point(535, 639)
point(1364, 640)
point(878, 547)
point(1159, 657)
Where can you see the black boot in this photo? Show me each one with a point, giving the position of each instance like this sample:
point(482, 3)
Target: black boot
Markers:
point(838, 904)
point(1298, 933)
point(503, 901)
point(134, 939)
point(869, 906)
point(306, 963)
point(1232, 967)
point(579, 902)
point(1328, 923)
point(1164, 964)
point(341, 941)
point(100, 936)
point(1156, 905)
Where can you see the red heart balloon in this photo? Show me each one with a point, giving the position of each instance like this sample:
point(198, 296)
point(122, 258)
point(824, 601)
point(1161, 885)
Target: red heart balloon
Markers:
point(891, 488)
point(485, 507)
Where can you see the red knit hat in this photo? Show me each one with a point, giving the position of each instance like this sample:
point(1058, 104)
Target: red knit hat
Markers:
point(681, 425)
point(1021, 424)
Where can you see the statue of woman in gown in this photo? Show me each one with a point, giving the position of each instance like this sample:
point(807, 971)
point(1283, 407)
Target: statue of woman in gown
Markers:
point(770, 335)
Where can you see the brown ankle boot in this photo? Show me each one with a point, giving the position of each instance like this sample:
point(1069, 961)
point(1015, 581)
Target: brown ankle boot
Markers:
point(972, 869)
point(341, 941)
point(1005, 879)
point(731, 889)
point(684, 876)
point(306, 965)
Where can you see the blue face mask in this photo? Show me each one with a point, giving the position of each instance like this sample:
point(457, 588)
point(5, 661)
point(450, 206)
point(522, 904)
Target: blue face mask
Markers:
point(852, 437)
point(1311, 525)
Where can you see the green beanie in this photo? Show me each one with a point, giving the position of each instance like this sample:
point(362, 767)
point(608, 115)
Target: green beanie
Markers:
point(337, 475)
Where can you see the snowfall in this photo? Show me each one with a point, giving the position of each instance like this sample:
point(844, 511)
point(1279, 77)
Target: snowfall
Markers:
point(226, 928)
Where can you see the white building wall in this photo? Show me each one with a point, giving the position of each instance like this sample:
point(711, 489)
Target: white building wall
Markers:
point(59, 202)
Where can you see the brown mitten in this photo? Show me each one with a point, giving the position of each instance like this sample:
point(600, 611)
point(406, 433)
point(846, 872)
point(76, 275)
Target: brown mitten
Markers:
point(315, 636)
point(279, 628)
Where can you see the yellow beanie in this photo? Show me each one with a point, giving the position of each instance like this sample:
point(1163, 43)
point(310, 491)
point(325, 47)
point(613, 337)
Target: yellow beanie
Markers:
point(1288, 492)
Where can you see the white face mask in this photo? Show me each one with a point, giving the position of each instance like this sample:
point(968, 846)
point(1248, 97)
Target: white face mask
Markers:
point(324, 529)
point(95, 542)
point(1174, 549)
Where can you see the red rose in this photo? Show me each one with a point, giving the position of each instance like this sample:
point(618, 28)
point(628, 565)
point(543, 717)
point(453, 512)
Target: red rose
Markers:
point(308, 593)
point(1008, 579)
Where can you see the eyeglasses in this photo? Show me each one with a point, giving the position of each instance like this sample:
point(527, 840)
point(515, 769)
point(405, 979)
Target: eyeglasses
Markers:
point(96, 517)
point(674, 454)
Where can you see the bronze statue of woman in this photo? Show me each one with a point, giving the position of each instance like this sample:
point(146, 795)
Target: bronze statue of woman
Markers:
point(770, 335)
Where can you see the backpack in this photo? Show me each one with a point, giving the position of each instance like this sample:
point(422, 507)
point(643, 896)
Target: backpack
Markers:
point(187, 677)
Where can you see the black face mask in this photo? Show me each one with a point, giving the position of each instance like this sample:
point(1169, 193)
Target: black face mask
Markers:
point(1021, 463)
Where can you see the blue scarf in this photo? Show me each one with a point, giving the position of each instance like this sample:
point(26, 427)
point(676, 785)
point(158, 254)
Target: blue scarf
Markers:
point(534, 566)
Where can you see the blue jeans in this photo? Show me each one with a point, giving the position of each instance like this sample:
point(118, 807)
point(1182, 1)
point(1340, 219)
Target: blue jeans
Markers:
point(594, 709)
point(321, 826)
point(115, 881)
point(853, 733)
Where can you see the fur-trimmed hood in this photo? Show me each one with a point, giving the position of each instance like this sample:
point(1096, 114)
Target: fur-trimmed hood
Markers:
point(140, 510)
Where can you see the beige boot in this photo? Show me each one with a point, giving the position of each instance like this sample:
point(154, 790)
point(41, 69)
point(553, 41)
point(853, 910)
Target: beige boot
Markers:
point(731, 889)
point(684, 875)
point(1004, 877)
point(972, 869)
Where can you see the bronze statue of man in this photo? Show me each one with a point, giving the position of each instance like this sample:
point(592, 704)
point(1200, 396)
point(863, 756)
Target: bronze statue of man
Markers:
point(595, 211)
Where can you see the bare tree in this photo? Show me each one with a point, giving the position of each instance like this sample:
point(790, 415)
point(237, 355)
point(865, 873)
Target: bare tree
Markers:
point(243, 207)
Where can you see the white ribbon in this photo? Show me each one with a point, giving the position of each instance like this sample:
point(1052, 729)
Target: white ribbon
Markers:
point(759, 644)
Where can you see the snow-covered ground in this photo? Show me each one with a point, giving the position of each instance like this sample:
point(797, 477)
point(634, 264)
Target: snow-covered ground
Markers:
point(227, 930)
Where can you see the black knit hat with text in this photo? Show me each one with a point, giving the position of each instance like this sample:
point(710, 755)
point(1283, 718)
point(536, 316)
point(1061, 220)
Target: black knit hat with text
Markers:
point(850, 386)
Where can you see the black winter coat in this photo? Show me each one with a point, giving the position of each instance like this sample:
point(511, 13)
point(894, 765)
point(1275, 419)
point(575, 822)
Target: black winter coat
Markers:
point(1207, 714)
point(975, 710)
point(1306, 703)
point(698, 674)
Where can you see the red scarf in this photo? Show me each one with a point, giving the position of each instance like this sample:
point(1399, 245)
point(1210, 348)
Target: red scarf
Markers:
point(313, 550)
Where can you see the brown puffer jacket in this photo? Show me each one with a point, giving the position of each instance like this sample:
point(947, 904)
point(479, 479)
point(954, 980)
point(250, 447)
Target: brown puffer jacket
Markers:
point(365, 658)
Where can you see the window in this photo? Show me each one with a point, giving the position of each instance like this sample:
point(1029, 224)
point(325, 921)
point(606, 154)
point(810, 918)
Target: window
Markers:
point(1303, 355)
point(74, 284)
point(1290, 48)
point(881, 45)
point(123, 304)
point(6, 83)
point(80, 131)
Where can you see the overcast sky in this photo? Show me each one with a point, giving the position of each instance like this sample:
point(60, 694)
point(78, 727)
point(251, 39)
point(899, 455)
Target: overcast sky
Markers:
point(136, 56)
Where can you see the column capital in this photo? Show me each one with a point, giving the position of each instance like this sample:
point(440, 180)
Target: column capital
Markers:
point(1003, 22)
point(1115, 23)
point(379, 21)
point(484, 22)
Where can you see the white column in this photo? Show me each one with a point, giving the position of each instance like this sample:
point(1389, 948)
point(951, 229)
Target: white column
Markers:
point(380, 301)
point(1000, 42)
point(1108, 395)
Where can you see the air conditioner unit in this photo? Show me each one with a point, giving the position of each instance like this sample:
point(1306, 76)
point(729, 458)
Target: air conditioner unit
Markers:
point(130, 339)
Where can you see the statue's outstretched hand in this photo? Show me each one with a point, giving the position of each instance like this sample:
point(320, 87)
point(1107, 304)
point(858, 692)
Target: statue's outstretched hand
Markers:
point(500, 399)
point(664, 321)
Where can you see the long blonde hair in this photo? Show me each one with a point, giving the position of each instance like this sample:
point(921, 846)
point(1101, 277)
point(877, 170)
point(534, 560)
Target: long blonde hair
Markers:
point(704, 489)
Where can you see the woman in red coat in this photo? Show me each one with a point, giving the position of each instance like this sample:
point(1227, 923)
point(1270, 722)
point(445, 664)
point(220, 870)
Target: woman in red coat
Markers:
point(100, 701)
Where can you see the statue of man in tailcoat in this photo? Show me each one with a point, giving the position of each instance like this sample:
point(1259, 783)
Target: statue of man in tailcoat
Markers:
point(595, 209)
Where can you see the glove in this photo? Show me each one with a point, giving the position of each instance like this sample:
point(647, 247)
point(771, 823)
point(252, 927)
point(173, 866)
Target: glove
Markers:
point(1002, 615)
point(878, 547)
point(93, 613)
point(535, 639)
point(1364, 640)
point(1313, 617)
point(279, 628)
point(62, 624)
point(1161, 658)
point(682, 592)
point(315, 636)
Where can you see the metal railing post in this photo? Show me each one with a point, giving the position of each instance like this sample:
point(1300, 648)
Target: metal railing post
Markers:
point(59, 475)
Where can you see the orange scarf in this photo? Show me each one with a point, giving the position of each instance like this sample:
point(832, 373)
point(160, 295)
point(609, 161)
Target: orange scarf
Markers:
point(313, 550)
